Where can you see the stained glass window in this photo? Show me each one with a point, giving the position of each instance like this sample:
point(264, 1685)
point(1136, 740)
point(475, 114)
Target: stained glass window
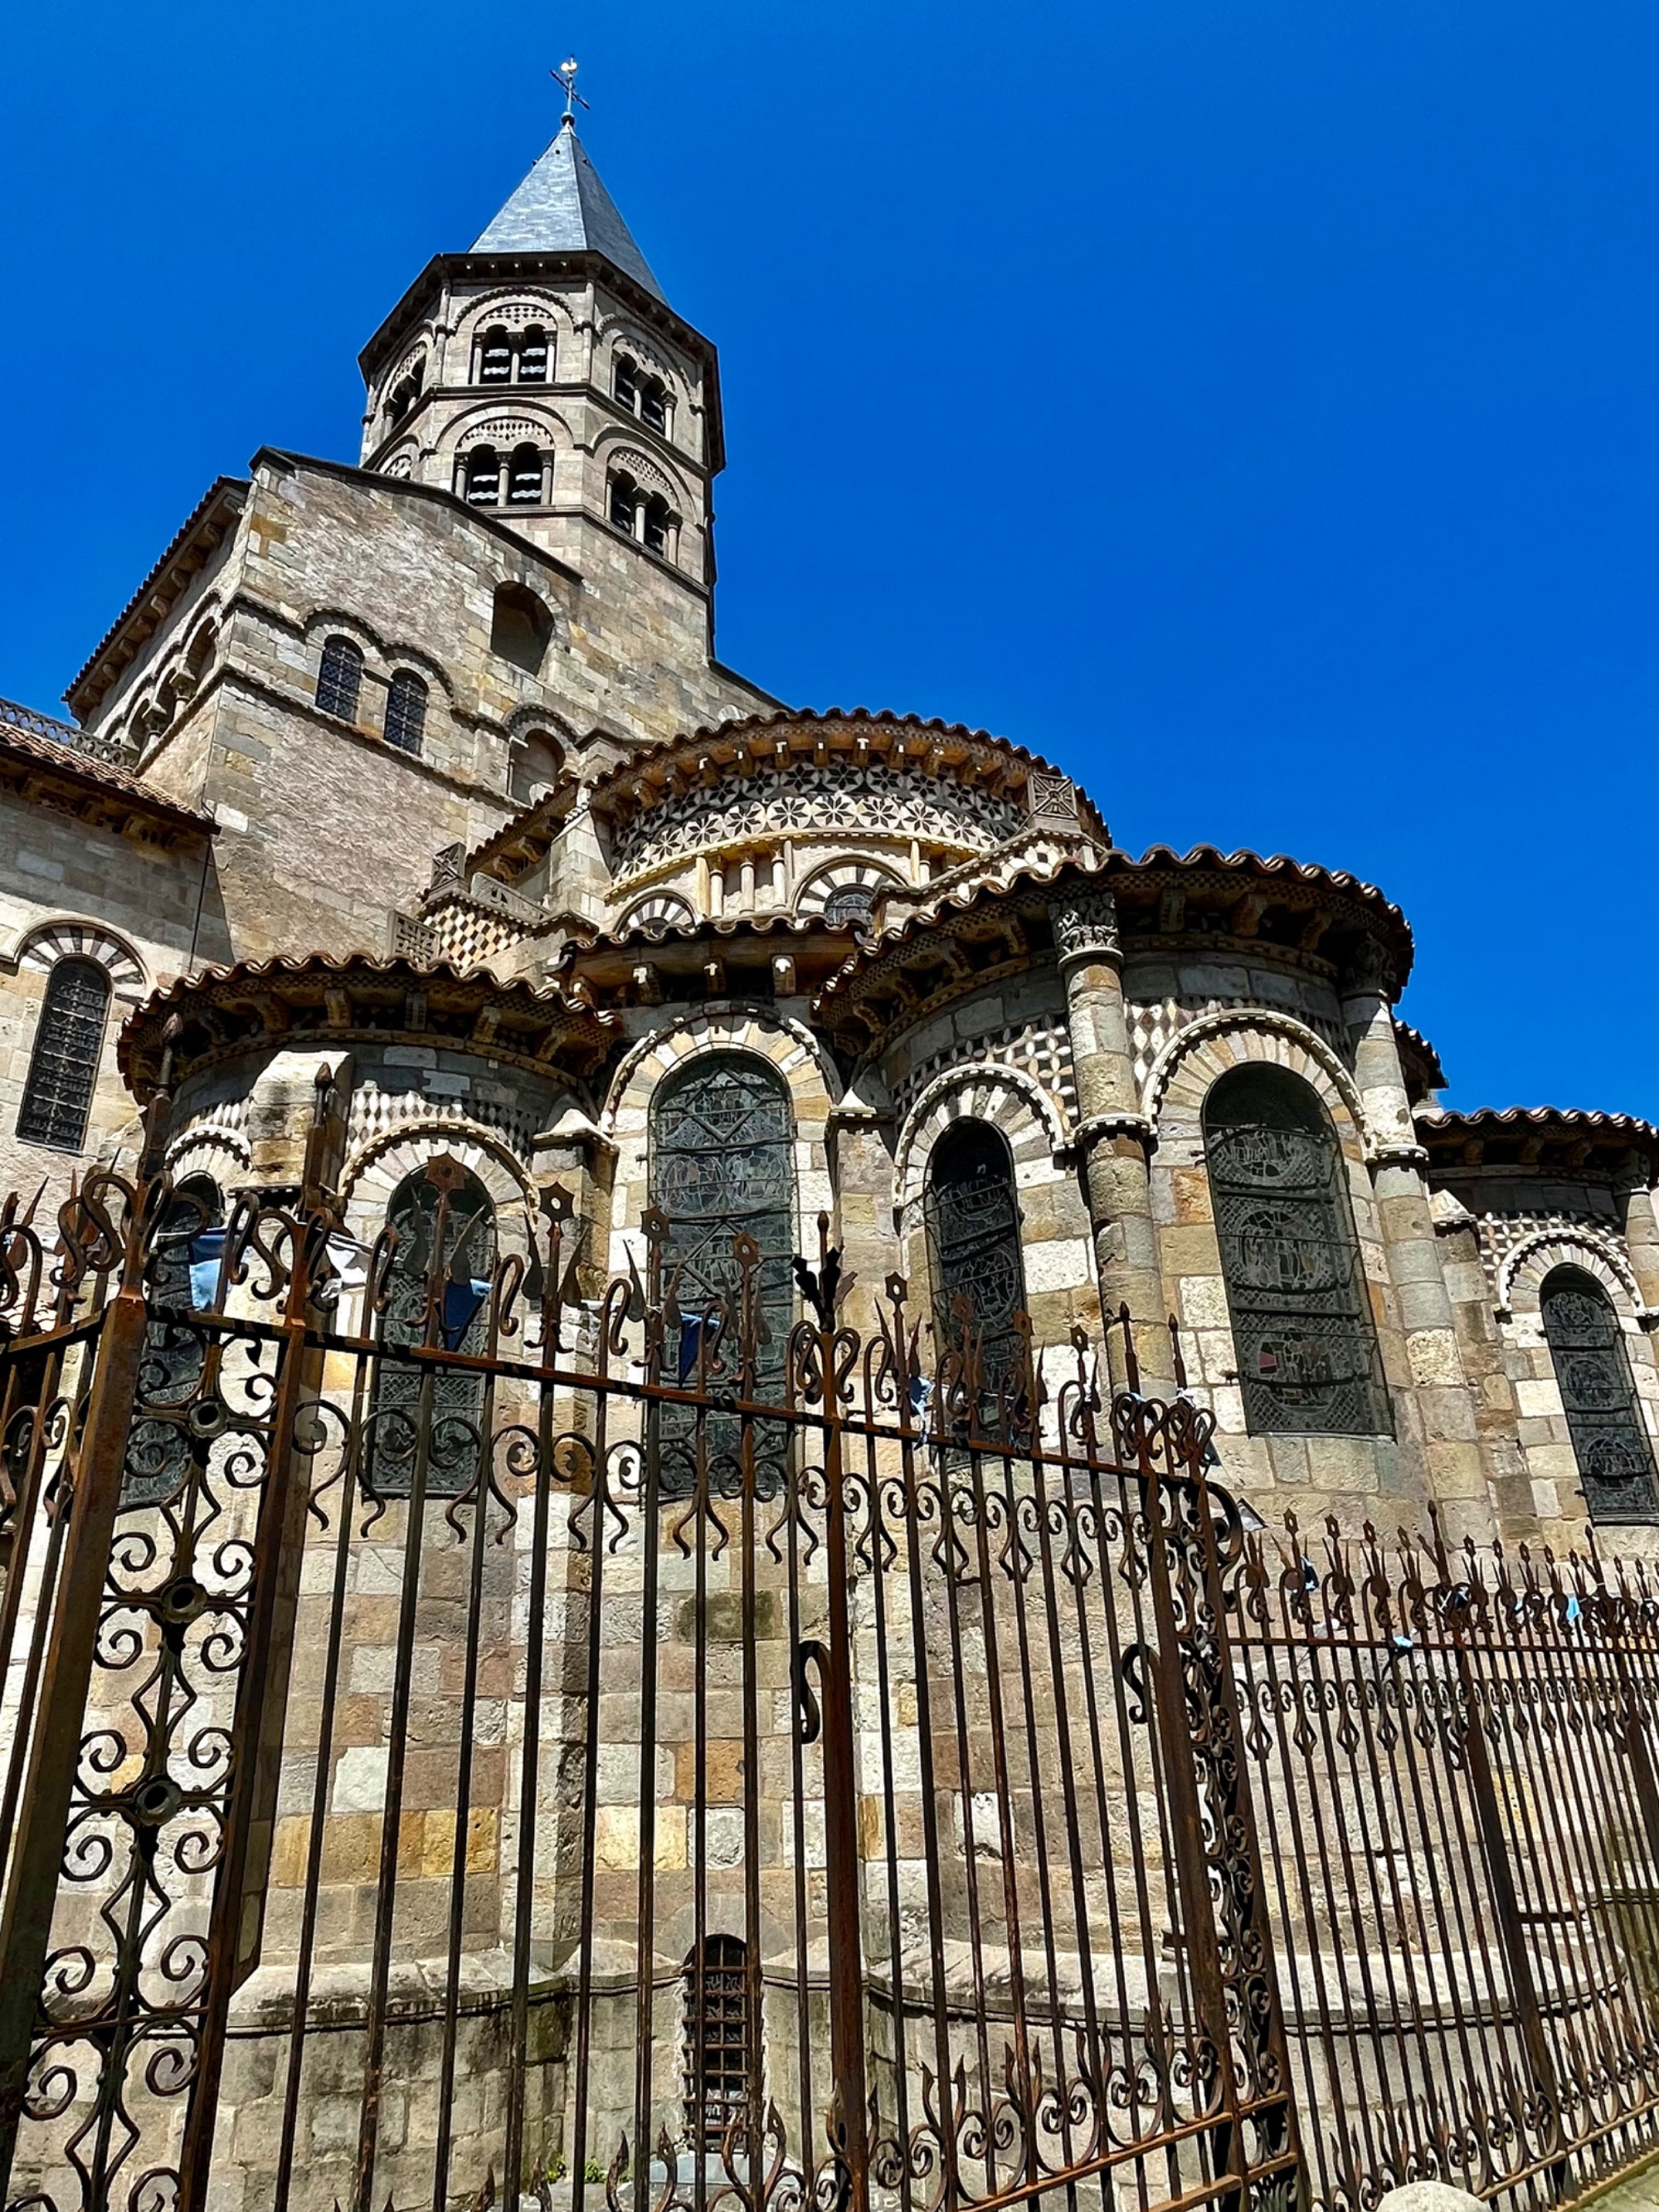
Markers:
point(717, 2032)
point(722, 1144)
point(68, 1044)
point(405, 711)
point(973, 1242)
point(1604, 1420)
point(339, 679)
point(850, 903)
point(1302, 1333)
point(183, 1278)
point(462, 1274)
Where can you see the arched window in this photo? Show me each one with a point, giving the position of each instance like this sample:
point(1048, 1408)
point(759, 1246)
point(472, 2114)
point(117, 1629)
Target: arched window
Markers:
point(718, 2039)
point(643, 396)
point(183, 1279)
point(524, 477)
point(659, 520)
point(520, 627)
point(496, 357)
point(483, 476)
point(69, 1041)
point(1303, 1333)
point(405, 394)
point(722, 1163)
point(972, 1219)
point(534, 356)
point(340, 678)
point(623, 491)
point(850, 903)
point(1604, 1418)
point(462, 1270)
point(405, 711)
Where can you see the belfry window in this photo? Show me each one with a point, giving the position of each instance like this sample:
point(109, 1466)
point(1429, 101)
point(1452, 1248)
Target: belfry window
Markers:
point(643, 396)
point(1604, 1416)
point(483, 476)
point(496, 357)
point(1302, 1335)
point(533, 355)
point(340, 678)
point(644, 516)
point(405, 711)
point(972, 1220)
point(69, 1043)
point(445, 1236)
point(718, 2040)
point(524, 477)
point(722, 1163)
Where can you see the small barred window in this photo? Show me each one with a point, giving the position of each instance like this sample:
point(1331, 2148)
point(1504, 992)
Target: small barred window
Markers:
point(717, 2064)
point(67, 1045)
point(340, 678)
point(405, 711)
point(1604, 1415)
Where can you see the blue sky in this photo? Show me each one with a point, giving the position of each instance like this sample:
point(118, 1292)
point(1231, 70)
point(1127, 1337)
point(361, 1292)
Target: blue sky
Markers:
point(1252, 409)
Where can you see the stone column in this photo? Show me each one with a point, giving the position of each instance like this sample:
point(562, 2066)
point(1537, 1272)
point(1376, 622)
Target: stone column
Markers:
point(577, 1156)
point(861, 1134)
point(1642, 1242)
point(1496, 1414)
point(1435, 1415)
point(1114, 1138)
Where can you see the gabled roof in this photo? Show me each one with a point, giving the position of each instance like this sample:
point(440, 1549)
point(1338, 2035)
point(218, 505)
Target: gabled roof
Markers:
point(562, 207)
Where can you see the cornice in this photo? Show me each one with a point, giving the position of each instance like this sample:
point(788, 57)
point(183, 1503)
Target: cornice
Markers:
point(223, 1013)
point(202, 532)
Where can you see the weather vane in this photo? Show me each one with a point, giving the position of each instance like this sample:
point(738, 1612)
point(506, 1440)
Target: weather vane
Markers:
point(565, 75)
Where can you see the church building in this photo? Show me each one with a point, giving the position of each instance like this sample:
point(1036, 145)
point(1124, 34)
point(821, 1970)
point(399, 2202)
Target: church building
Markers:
point(423, 767)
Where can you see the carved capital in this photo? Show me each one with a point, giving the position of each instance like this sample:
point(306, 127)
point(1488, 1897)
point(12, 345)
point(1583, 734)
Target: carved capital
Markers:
point(1098, 1126)
point(1368, 967)
point(1086, 925)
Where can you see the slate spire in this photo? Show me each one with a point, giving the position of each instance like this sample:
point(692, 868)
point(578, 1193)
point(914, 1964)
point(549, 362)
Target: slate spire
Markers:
point(562, 207)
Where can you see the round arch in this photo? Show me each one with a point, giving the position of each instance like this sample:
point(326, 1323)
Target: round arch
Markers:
point(1014, 1104)
point(1179, 1079)
point(41, 944)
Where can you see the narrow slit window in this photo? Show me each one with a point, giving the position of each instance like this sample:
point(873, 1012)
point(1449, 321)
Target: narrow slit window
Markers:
point(68, 1043)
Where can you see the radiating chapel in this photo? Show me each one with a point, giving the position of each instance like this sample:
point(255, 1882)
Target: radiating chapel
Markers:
point(423, 767)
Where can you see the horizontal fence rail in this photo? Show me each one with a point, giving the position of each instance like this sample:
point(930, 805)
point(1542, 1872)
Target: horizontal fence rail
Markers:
point(467, 1740)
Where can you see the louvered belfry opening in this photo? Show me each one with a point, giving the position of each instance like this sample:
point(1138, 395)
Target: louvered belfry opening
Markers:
point(718, 2039)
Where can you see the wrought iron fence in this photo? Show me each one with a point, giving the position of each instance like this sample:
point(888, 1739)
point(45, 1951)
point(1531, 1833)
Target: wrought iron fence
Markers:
point(569, 1747)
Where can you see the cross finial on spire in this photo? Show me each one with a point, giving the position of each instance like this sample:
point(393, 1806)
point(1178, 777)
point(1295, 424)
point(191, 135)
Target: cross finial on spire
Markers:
point(565, 75)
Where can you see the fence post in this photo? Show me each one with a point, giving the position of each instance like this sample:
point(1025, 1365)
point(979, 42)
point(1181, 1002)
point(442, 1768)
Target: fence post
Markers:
point(117, 1351)
point(1196, 1714)
point(840, 1827)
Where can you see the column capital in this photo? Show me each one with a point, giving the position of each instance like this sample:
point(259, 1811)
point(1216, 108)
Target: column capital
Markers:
point(1086, 925)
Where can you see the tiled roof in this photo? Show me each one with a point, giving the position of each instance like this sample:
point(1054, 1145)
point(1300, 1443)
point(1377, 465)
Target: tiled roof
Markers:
point(562, 207)
point(61, 752)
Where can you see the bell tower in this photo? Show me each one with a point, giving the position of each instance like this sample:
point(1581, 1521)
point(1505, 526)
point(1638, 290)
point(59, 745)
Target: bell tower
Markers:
point(541, 378)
